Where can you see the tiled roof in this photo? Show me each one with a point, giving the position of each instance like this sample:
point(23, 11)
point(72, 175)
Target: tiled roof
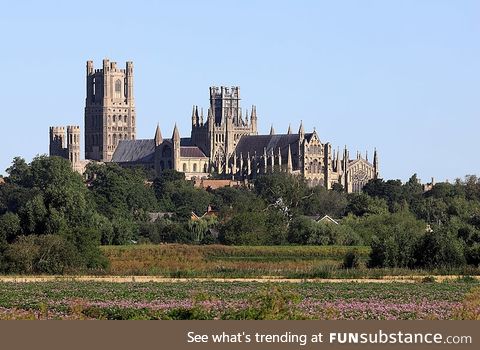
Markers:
point(256, 143)
point(191, 152)
point(141, 151)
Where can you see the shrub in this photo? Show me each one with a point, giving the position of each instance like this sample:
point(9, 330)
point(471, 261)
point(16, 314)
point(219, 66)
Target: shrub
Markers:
point(40, 254)
point(472, 254)
point(440, 248)
point(351, 260)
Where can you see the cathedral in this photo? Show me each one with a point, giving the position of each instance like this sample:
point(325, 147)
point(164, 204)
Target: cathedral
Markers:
point(224, 142)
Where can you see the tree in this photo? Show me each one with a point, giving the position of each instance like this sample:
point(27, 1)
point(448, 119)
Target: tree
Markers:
point(245, 229)
point(9, 227)
point(394, 239)
point(290, 189)
point(440, 248)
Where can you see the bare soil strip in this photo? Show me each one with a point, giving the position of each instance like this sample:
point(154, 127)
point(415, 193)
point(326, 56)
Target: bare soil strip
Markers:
point(264, 279)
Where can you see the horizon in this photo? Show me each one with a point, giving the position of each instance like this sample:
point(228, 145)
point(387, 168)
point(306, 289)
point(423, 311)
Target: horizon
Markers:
point(347, 71)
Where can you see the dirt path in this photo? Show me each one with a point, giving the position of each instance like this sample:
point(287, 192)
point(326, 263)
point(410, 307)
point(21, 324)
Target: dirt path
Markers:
point(265, 279)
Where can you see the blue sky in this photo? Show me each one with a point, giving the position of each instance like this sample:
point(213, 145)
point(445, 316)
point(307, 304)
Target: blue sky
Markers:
point(402, 76)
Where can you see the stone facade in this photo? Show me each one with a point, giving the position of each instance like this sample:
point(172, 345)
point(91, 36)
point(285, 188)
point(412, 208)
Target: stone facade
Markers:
point(109, 109)
point(67, 145)
point(225, 143)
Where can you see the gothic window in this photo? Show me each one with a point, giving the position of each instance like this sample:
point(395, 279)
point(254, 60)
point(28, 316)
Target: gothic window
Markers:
point(114, 118)
point(118, 89)
point(162, 165)
point(125, 118)
point(169, 164)
point(114, 139)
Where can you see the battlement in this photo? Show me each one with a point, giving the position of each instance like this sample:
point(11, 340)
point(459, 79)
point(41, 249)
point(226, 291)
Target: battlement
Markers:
point(224, 92)
point(57, 130)
point(73, 129)
point(109, 67)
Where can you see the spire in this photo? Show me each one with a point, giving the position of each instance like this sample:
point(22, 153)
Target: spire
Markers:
point(176, 134)
point(366, 155)
point(338, 160)
point(158, 136)
point(240, 170)
point(201, 117)
point(265, 159)
point(272, 160)
point(279, 159)
point(289, 131)
point(272, 130)
point(375, 162)
point(194, 119)
point(289, 160)
point(301, 131)
point(254, 112)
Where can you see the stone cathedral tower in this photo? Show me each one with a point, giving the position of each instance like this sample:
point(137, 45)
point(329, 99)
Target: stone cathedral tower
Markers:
point(218, 135)
point(109, 109)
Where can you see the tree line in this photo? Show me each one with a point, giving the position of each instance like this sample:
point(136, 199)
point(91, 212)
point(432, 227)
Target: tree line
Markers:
point(52, 220)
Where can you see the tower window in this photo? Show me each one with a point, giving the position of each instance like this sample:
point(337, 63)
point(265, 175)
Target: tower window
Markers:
point(118, 89)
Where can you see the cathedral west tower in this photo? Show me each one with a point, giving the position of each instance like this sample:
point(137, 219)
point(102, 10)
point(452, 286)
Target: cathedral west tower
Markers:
point(109, 109)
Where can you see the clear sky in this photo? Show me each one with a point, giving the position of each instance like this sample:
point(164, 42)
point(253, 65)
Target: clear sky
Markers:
point(402, 76)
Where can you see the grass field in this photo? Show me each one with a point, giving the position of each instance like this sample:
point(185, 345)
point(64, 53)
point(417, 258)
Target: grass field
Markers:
point(176, 260)
point(239, 300)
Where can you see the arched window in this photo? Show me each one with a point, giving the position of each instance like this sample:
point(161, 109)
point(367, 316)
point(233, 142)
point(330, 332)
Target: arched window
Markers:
point(118, 89)
point(184, 167)
point(195, 168)
point(205, 169)
point(115, 139)
point(169, 164)
point(162, 165)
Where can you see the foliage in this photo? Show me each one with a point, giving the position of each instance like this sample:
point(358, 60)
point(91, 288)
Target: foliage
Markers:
point(351, 260)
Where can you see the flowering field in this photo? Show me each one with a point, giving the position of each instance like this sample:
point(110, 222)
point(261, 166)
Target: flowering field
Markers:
point(238, 300)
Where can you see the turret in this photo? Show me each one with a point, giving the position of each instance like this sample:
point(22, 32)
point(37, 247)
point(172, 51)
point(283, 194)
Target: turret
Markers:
point(158, 136)
point(176, 148)
point(272, 160)
point(129, 81)
point(301, 132)
point(73, 144)
point(279, 159)
point(253, 119)
point(289, 160)
point(57, 141)
point(272, 130)
point(194, 118)
point(264, 160)
point(375, 163)
point(338, 166)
